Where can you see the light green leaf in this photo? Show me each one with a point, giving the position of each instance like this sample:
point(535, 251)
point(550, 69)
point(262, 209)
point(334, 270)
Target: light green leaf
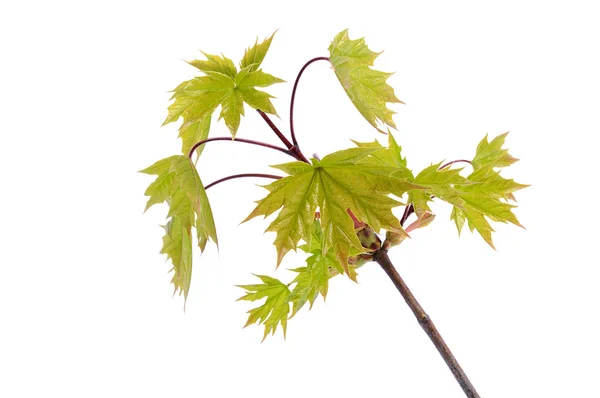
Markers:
point(487, 195)
point(312, 280)
point(440, 184)
point(275, 310)
point(492, 153)
point(335, 184)
point(179, 185)
point(222, 85)
point(367, 88)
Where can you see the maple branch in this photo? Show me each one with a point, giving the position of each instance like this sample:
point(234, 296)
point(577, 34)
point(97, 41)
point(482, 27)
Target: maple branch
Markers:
point(259, 143)
point(455, 161)
point(381, 257)
point(294, 96)
point(231, 177)
point(292, 149)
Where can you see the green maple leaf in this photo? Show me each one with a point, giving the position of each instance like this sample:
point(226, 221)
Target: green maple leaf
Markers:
point(313, 279)
point(222, 85)
point(440, 184)
point(429, 182)
point(367, 88)
point(345, 180)
point(477, 199)
point(487, 180)
point(276, 308)
point(178, 184)
point(480, 197)
point(310, 281)
point(487, 197)
point(492, 153)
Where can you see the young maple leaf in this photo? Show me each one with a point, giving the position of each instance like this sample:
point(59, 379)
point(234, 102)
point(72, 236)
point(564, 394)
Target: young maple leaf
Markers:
point(195, 100)
point(313, 279)
point(430, 181)
point(366, 87)
point(310, 281)
point(489, 192)
point(440, 184)
point(348, 179)
point(480, 196)
point(179, 185)
point(276, 308)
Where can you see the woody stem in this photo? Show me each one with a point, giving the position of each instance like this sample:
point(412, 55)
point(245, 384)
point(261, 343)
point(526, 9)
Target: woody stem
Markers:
point(381, 257)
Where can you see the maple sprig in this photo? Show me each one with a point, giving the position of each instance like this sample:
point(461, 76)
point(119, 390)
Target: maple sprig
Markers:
point(335, 208)
point(358, 179)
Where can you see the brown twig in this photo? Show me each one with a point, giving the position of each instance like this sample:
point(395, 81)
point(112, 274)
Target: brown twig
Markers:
point(381, 257)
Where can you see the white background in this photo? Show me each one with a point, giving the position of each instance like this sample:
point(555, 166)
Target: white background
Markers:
point(86, 307)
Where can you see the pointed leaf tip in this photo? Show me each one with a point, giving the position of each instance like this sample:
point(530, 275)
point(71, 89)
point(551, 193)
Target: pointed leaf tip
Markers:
point(256, 54)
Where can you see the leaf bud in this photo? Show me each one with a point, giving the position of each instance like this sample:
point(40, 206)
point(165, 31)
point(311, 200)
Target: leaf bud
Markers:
point(360, 260)
point(368, 238)
point(392, 239)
